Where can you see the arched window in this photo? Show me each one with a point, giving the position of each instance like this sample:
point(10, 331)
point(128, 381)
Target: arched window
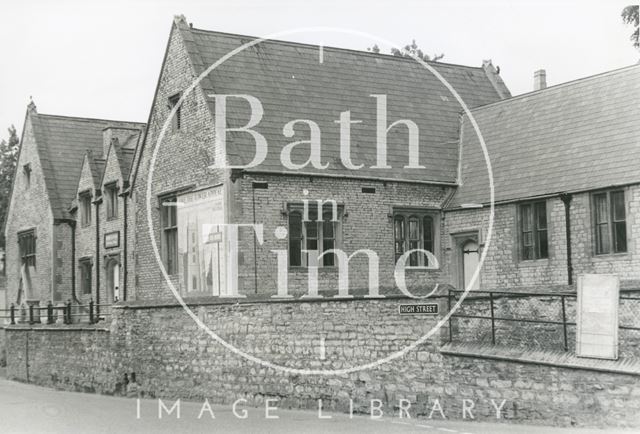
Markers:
point(399, 234)
point(413, 229)
point(427, 235)
point(414, 240)
point(295, 238)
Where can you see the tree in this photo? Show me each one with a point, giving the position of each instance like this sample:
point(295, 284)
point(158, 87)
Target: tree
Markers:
point(8, 162)
point(410, 50)
point(631, 15)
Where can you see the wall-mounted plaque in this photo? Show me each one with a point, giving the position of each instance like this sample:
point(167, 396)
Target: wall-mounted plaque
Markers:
point(112, 240)
point(597, 316)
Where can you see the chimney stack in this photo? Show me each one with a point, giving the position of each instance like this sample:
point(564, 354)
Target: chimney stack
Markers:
point(540, 79)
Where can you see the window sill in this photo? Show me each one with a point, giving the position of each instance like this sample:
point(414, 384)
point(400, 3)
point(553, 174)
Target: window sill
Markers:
point(533, 262)
point(421, 268)
point(304, 268)
point(605, 256)
point(112, 218)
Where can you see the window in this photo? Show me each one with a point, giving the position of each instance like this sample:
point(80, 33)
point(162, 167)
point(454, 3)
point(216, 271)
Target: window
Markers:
point(111, 192)
point(170, 234)
point(177, 119)
point(85, 276)
point(27, 245)
point(319, 232)
point(26, 171)
point(610, 226)
point(414, 230)
point(534, 243)
point(85, 208)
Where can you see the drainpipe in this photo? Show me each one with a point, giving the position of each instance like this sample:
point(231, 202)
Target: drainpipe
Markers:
point(125, 196)
point(566, 199)
point(97, 204)
point(72, 225)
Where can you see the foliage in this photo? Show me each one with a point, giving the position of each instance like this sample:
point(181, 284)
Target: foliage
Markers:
point(410, 50)
point(8, 162)
point(631, 15)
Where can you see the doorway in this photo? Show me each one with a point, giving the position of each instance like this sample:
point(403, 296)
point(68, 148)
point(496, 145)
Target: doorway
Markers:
point(113, 280)
point(470, 261)
point(466, 257)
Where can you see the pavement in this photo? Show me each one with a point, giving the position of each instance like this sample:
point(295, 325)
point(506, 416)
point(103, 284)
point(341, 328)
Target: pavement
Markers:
point(25, 408)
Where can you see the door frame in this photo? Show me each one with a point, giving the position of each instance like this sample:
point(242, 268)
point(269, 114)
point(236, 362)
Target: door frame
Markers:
point(458, 240)
point(109, 290)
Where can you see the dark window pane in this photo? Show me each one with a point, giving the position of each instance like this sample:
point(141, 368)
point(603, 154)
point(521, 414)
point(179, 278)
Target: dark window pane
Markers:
point(312, 244)
point(541, 215)
point(602, 238)
point(399, 228)
point(527, 252)
point(620, 236)
point(413, 228)
point(295, 225)
point(312, 229)
point(428, 233)
point(543, 245)
point(527, 218)
point(295, 257)
point(600, 202)
point(329, 258)
point(617, 203)
point(327, 229)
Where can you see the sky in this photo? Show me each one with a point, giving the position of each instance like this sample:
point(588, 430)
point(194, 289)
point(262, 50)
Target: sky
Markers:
point(102, 59)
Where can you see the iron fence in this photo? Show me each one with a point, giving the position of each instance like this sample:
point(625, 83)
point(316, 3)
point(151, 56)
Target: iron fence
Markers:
point(533, 320)
point(67, 313)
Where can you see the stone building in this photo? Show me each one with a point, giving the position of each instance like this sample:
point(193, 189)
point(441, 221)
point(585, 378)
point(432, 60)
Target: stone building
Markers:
point(565, 184)
point(44, 244)
point(190, 197)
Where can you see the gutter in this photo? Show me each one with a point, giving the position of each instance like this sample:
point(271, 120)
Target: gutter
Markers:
point(125, 195)
point(97, 203)
point(566, 199)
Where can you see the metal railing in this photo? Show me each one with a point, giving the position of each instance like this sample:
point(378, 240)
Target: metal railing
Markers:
point(540, 320)
point(68, 313)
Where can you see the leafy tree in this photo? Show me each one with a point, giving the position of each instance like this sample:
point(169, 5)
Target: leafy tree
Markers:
point(410, 50)
point(8, 162)
point(631, 15)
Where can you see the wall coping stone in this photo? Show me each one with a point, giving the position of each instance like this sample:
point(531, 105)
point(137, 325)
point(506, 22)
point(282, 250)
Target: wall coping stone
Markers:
point(56, 328)
point(561, 359)
point(265, 299)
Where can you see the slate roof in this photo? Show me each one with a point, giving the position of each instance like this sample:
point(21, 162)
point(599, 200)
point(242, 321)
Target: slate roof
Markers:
point(291, 83)
point(577, 136)
point(62, 143)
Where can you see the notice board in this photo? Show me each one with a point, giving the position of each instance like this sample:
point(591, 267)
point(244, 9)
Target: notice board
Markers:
point(597, 316)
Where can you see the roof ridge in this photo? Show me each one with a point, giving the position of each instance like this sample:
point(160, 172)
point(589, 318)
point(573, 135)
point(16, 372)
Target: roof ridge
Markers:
point(85, 119)
point(558, 86)
point(326, 47)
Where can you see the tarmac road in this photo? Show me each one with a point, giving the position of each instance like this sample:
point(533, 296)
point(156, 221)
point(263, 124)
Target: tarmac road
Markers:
point(25, 408)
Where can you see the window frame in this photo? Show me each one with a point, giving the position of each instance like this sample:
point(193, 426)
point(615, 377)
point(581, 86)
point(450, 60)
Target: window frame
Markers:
point(169, 231)
point(26, 171)
point(86, 275)
point(27, 257)
point(85, 198)
point(111, 192)
point(407, 241)
point(176, 121)
point(610, 223)
point(535, 230)
point(327, 261)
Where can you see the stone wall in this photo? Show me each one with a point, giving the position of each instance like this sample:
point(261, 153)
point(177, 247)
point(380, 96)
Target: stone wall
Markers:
point(173, 359)
point(504, 267)
point(366, 224)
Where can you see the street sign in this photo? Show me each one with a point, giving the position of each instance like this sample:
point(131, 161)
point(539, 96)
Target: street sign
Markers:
point(424, 309)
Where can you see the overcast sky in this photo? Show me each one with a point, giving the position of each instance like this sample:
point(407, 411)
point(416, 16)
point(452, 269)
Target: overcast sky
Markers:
point(102, 59)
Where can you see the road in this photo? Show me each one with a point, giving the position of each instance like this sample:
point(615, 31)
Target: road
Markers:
point(26, 408)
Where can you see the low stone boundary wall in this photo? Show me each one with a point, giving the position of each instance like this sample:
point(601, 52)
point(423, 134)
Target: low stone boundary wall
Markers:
point(173, 358)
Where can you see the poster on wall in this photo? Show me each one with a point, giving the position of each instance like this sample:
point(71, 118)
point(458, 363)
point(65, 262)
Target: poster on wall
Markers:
point(597, 316)
point(201, 256)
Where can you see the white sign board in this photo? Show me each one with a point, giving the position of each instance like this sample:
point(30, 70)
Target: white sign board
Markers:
point(597, 316)
point(201, 251)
